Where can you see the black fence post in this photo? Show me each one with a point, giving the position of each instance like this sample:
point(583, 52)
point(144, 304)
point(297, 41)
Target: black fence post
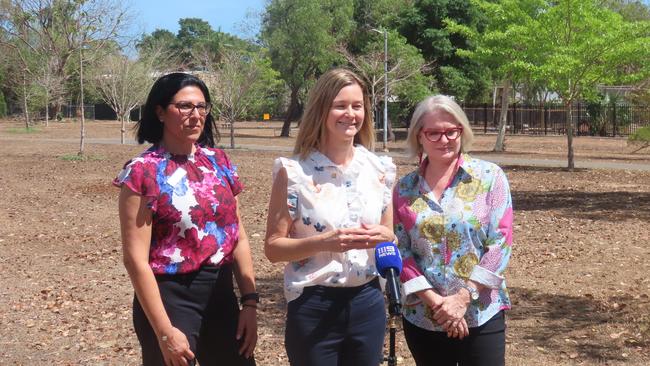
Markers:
point(514, 118)
point(485, 117)
point(544, 118)
point(614, 119)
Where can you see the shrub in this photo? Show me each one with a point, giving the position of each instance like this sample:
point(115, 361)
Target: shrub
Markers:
point(640, 137)
point(3, 105)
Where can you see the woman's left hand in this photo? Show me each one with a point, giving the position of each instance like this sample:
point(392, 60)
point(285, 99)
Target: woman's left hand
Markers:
point(458, 329)
point(453, 309)
point(378, 233)
point(247, 329)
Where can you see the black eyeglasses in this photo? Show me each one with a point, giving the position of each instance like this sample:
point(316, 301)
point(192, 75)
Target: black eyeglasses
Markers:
point(435, 135)
point(187, 108)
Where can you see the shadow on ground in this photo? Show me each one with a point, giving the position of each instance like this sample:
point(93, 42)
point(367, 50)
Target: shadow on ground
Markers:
point(580, 320)
point(604, 206)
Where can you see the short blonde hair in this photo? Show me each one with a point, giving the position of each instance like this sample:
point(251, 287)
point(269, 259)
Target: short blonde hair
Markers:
point(429, 105)
point(312, 130)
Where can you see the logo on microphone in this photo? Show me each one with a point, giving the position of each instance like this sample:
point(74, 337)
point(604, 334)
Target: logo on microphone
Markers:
point(388, 250)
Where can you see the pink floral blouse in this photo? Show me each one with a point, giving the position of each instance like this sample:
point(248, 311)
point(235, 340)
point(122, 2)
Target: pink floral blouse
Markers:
point(467, 235)
point(194, 207)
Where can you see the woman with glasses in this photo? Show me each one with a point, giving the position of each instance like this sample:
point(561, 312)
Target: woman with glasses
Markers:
point(182, 235)
point(330, 205)
point(453, 221)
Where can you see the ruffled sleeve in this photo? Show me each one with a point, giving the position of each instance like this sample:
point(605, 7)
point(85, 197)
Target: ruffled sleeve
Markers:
point(390, 172)
point(293, 179)
point(140, 177)
point(386, 171)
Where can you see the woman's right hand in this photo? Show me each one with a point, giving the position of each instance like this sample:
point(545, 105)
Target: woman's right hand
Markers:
point(175, 348)
point(342, 240)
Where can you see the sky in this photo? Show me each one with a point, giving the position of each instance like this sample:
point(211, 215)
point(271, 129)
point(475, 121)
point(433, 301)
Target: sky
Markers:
point(150, 15)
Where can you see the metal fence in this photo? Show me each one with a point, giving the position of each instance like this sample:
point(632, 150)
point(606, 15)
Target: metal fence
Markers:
point(550, 119)
point(91, 112)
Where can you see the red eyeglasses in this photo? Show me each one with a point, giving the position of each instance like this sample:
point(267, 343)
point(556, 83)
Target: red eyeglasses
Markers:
point(435, 135)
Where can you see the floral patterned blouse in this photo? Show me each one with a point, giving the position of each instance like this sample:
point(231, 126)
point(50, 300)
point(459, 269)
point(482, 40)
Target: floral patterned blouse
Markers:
point(322, 196)
point(194, 208)
point(465, 236)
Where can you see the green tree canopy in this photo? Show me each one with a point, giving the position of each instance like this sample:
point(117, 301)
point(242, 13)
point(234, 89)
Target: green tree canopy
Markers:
point(423, 25)
point(302, 36)
point(583, 44)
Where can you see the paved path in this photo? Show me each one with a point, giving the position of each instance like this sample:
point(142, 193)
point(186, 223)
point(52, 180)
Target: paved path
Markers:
point(506, 160)
point(496, 158)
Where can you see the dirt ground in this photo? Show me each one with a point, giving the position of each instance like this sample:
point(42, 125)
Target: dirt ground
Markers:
point(578, 275)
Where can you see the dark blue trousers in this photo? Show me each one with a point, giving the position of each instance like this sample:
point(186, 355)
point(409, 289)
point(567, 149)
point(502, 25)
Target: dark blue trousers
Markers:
point(202, 305)
point(336, 326)
point(485, 345)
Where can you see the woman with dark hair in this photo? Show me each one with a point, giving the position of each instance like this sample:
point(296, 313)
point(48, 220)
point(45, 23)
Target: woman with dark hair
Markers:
point(330, 206)
point(182, 235)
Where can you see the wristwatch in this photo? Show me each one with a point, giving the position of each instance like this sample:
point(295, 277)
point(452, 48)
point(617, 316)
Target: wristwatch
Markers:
point(250, 296)
point(473, 293)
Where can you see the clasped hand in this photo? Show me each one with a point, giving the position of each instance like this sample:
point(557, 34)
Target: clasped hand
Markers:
point(363, 237)
point(448, 312)
point(451, 316)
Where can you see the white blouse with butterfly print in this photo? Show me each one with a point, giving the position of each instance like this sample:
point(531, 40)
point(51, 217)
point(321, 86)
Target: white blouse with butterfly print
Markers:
point(322, 196)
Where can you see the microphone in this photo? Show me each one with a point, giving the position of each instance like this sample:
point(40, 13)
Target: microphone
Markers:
point(389, 265)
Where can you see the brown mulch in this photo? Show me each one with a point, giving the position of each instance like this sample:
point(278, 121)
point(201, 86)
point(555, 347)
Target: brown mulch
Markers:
point(578, 275)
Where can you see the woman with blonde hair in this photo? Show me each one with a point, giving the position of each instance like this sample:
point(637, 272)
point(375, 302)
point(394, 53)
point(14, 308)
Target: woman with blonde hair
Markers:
point(330, 205)
point(453, 219)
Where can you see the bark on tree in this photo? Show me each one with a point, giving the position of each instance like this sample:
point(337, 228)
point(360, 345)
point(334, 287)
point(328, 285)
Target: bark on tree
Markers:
point(569, 136)
point(81, 102)
point(503, 117)
point(286, 126)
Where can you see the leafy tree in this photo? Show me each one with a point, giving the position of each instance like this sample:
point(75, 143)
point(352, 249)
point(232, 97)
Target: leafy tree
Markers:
point(504, 46)
point(423, 23)
point(630, 10)
point(301, 36)
point(405, 71)
point(159, 40)
point(123, 83)
point(198, 43)
point(97, 23)
point(583, 44)
point(240, 80)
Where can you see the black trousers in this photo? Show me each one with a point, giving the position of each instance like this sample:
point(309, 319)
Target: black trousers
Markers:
point(336, 326)
point(202, 305)
point(485, 345)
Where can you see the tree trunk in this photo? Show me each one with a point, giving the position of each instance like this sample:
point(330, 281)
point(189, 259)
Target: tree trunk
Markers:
point(569, 136)
point(25, 110)
point(123, 129)
point(503, 118)
point(81, 102)
point(232, 133)
point(286, 127)
point(47, 108)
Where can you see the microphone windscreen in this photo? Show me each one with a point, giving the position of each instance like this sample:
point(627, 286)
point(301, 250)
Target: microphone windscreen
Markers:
point(387, 256)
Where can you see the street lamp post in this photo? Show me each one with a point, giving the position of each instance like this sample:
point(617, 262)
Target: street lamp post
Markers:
point(385, 136)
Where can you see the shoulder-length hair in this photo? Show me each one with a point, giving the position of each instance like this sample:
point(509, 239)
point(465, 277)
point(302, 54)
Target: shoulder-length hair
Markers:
point(150, 129)
point(429, 105)
point(312, 131)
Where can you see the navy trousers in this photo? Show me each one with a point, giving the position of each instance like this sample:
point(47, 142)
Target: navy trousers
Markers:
point(485, 345)
point(336, 326)
point(202, 305)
